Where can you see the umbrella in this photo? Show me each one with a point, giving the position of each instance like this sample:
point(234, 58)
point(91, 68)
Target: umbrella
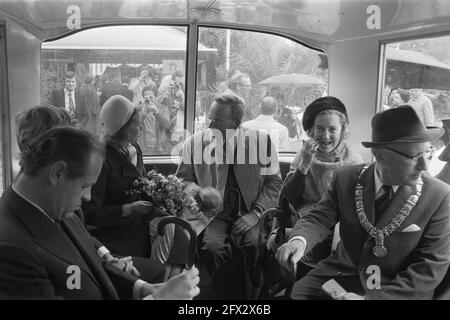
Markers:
point(411, 69)
point(296, 90)
point(293, 79)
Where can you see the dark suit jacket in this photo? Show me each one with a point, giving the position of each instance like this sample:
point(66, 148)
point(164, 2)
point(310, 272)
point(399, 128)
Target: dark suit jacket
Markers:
point(129, 236)
point(35, 254)
point(416, 262)
point(57, 99)
point(113, 88)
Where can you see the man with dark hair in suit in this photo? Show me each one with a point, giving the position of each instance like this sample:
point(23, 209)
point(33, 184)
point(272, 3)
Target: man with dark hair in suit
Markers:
point(45, 250)
point(394, 220)
point(70, 99)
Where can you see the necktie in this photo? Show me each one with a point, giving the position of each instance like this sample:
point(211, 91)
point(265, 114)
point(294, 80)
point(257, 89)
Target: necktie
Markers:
point(382, 202)
point(173, 120)
point(71, 106)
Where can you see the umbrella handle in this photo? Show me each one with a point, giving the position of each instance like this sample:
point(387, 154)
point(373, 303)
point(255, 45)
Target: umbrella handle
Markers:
point(293, 278)
point(262, 232)
point(192, 235)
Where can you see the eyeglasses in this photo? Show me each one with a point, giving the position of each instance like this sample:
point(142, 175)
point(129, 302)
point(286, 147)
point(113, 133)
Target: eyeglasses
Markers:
point(427, 154)
point(211, 119)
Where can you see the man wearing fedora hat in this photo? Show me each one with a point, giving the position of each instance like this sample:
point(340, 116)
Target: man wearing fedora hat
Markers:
point(394, 220)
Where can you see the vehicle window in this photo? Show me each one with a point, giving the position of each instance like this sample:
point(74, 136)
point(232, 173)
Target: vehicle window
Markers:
point(417, 73)
point(1, 151)
point(1, 112)
point(254, 65)
point(146, 64)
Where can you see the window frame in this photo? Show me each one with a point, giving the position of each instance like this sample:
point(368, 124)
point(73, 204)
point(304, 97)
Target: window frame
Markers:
point(5, 122)
point(383, 43)
point(316, 47)
point(191, 69)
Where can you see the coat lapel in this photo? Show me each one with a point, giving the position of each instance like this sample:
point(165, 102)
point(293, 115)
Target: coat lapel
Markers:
point(83, 242)
point(61, 99)
point(128, 169)
point(243, 171)
point(46, 233)
point(78, 101)
point(402, 194)
point(368, 183)
point(397, 202)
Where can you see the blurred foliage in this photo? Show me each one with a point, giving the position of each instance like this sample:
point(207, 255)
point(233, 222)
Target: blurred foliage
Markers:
point(262, 56)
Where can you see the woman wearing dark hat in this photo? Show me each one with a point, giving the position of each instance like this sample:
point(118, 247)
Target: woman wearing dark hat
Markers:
point(120, 219)
point(326, 123)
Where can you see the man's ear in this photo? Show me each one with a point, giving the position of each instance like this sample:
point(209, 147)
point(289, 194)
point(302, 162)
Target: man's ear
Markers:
point(57, 171)
point(378, 154)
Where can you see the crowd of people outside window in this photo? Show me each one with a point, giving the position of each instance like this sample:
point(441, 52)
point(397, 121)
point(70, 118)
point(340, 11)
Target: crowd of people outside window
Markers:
point(160, 103)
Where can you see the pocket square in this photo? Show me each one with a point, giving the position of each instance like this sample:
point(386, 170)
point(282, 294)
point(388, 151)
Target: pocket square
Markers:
point(412, 228)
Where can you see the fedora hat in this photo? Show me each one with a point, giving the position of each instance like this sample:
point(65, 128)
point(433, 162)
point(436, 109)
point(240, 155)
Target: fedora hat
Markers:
point(400, 125)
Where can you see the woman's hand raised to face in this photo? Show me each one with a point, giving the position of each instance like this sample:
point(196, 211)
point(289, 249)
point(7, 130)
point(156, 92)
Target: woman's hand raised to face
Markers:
point(308, 150)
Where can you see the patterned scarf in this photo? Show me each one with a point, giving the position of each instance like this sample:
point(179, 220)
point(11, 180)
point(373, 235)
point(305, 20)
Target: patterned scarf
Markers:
point(322, 170)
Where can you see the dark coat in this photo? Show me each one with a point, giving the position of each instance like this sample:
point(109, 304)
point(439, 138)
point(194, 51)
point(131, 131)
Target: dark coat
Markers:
point(126, 236)
point(57, 99)
point(113, 88)
point(416, 261)
point(35, 255)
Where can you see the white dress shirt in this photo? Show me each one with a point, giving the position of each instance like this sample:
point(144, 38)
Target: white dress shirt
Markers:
point(278, 133)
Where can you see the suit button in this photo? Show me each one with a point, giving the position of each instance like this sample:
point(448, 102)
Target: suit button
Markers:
point(339, 273)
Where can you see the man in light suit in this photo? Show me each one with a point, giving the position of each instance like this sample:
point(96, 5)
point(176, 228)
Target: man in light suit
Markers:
point(394, 220)
point(244, 169)
point(70, 99)
point(45, 250)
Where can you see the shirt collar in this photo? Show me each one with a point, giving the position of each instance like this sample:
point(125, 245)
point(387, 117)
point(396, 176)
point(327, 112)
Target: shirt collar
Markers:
point(379, 184)
point(33, 204)
point(66, 92)
point(264, 117)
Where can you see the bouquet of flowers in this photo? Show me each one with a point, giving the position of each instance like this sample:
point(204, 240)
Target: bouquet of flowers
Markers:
point(167, 194)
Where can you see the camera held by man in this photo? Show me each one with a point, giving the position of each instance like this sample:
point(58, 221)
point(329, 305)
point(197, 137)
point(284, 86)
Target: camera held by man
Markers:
point(149, 105)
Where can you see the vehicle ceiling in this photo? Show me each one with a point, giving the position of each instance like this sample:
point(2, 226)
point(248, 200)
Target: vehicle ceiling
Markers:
point(327, 21)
